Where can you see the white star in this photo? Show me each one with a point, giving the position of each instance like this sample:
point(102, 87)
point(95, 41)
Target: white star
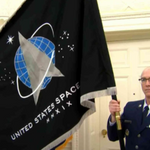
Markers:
point(65, 32)
point(10, 39)
point(69, 104)
point(12, 82)
point(57, 111)
point(72, 49)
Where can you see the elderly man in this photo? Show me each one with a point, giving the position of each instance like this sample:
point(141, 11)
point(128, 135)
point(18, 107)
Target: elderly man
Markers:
point(135, 126)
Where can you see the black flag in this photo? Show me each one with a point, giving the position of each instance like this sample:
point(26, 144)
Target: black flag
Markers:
point(53, 62)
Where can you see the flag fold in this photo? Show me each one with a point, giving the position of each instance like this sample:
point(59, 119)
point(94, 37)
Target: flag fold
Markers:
point(54, 62)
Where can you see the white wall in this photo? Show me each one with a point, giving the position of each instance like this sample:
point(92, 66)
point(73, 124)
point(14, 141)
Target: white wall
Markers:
point(7, 7)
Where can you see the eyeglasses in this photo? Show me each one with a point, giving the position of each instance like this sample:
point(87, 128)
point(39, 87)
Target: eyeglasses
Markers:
point(143, 80)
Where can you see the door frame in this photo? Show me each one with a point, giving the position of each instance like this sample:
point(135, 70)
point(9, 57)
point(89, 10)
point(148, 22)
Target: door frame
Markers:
point(121, 27)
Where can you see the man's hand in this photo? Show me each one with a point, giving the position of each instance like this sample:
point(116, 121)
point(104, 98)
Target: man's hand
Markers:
point(114, 106)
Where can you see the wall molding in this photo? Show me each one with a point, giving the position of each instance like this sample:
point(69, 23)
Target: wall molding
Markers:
point(126, 21)
point(126, 26)
point(125, 15)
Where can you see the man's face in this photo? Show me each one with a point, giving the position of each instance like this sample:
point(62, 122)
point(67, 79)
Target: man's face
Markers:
point(146, 82)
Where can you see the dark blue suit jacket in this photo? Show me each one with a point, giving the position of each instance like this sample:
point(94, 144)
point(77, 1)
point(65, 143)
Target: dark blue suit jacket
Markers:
point(137, 135)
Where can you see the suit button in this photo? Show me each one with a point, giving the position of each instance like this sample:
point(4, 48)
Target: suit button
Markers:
point(136, 147)
point(139, 135)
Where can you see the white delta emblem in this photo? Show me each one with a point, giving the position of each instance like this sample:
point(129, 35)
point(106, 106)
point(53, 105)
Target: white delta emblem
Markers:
point(35, 63)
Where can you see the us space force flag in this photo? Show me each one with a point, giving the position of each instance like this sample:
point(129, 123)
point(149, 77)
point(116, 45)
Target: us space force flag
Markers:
point(54, 62)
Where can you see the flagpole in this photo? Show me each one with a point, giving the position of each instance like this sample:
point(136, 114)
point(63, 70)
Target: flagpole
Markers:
point(119, 127)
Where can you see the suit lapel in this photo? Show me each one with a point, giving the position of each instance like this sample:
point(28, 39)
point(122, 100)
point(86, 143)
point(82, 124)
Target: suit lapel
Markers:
point(139, 109)
point(146, 123)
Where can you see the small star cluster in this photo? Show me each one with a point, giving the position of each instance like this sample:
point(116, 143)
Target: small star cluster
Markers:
point(7, 74)
point(65, 36)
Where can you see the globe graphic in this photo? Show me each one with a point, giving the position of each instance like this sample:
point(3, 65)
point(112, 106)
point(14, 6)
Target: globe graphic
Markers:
point(45, 46)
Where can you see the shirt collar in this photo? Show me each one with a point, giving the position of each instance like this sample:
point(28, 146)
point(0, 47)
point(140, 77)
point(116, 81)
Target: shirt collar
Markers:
point(145, 104)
